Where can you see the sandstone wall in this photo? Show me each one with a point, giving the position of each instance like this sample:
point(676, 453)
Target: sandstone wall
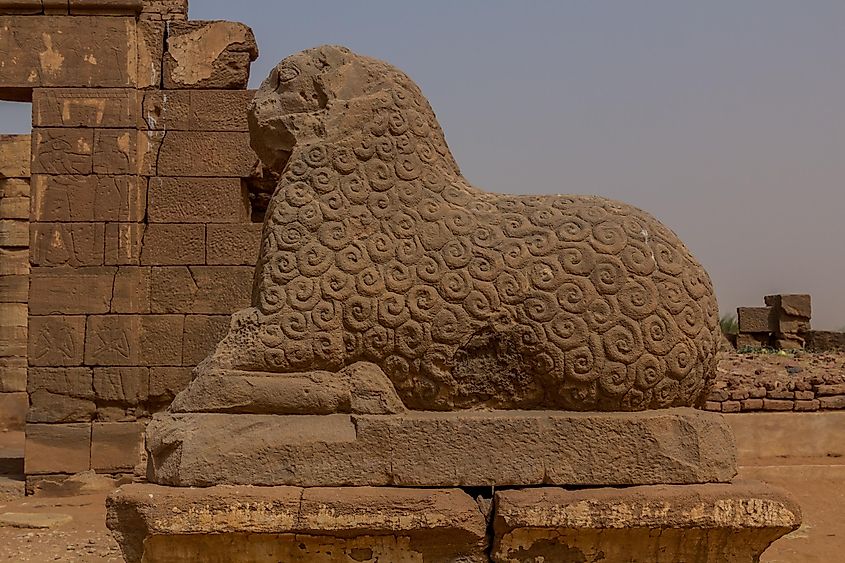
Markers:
point(14, 278)
point(141, 237)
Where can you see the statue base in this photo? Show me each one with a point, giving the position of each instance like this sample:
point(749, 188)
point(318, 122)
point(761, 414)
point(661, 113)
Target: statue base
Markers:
point(442, 449)
point(732, 522)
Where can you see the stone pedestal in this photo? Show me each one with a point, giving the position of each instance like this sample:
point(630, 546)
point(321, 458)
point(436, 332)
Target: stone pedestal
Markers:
point(691, 523)
point(442, 449)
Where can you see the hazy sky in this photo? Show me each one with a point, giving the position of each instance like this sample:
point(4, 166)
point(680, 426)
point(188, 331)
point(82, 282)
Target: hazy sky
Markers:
point(724, 118)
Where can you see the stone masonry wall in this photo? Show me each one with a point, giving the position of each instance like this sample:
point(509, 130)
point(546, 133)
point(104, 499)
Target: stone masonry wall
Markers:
point(14, 278)
point(141, 237)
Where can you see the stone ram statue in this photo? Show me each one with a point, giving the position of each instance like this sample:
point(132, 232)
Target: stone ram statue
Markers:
point(378, 257)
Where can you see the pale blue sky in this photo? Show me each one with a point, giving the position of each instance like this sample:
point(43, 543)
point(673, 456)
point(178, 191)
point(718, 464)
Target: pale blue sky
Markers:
point(724, 118)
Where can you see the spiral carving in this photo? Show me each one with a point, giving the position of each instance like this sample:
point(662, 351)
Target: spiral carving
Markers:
point(375, 248)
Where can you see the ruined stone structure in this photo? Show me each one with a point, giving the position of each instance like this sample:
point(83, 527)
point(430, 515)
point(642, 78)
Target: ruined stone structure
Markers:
point(14, 278)
point(141, 232)
point(783, 323)
point(412, 339)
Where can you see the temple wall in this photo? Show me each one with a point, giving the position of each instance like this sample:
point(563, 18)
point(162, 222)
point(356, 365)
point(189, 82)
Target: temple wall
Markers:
point(141, 239)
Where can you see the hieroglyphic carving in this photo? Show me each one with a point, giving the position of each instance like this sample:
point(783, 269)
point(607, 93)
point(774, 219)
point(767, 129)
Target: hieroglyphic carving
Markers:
point(376, 248)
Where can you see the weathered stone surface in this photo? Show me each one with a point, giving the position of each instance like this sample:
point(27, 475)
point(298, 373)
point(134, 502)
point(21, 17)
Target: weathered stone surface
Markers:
point(203, 154)
point(13, 409)
point(752, 340)
point(756, 319)
point(125, 242)
point(105, 7)
point(129, 385)
point(41, 520)
point(56, 340)
point(200, 289)
point(57, 448)
point(62, 151)
point(134, 340)
point(51, 52)
point(120, 151)
point(73, 382)
point(376, 249)
point(70, 291)
point(710, 523)
point(167, 382)
point(797, 305)
point(173, 244)
point(88, 198)
point(832, 402)
point(14, 152)
point(115, 446)
point(441, 449)
point(202, 333)
point(14, 233)
point(13, 261)
point(12, 374)
point(14, 208)
point(15, 187)
point(198, 200)
point(232, 244)
point(85, 107)
point(208, 54)
point(150, 36)
point(66, 244)
point(131, 290)
point(53, 408)
point(242, 524)
point(197, 110)
point(169, 10)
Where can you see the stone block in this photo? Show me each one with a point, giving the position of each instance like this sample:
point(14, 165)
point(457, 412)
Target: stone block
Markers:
point(170, 10)
point(198, 200)
point(796, 304)
point(104, 7)
point(134, 340)
point(202, 333)
point(197, 110)
point(13, 314)
point(63, 151)
point(71, 291)
point(14, 262)
point(713, 406)
point(832, 402)
point(57, 448)
point(14, 187)
point(13, 374)
point(120, 151)
point(731, 406)
point(124, 243)
point(233, 244)
point(200, 153)
point(167, 382)
point(170, 244)
point(14, 149)
point(826, 390)
point(66, 244)
point(88, 198)
point(757, 392)
point(131, 290)
point(56, 340)
point(14, 208)
point(788, 342)
point(54, 408)
point(803, 396)
point(150, 36)
point(755, 319)
point(421, 449)
point(780, 394)
point(777, 405)
point(51, 52)
point(72, 382)
point(806, 405)
point(129, 385)
point(13, 340)
point(14, 233)
point(662, 523)
point(13, 408)
point(116, 446)
point(208, 54)
point(200, 289)
point(752, 404)
point(291, 524)
point(86, 107)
